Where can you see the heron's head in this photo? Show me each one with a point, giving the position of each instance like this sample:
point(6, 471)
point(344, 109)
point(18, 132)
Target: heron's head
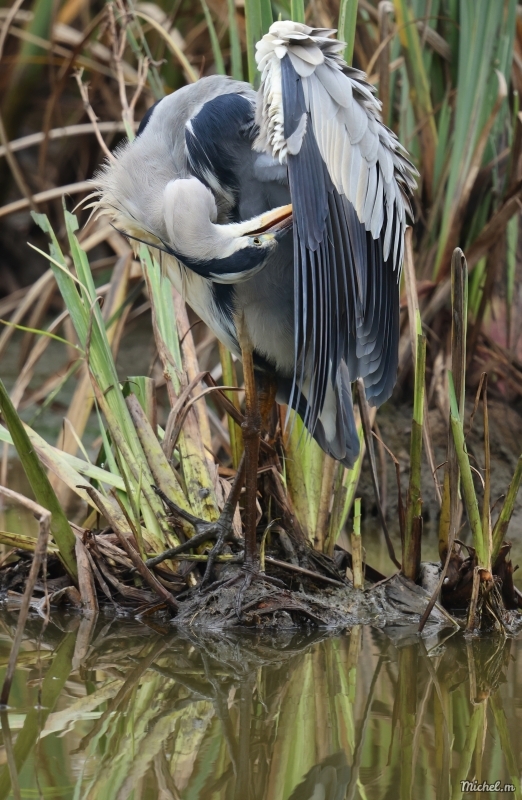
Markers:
point(226, 253)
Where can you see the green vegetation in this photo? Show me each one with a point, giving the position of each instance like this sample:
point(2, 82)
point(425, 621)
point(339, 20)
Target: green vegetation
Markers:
point(448, 74)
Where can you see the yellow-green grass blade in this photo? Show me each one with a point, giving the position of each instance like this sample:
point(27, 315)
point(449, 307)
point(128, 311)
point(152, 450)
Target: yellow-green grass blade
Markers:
point(194, 465)
point(86, 317)
point(214, 41)
point(468, 488)
point(347, 24)
point(484, 44)
point(304, 461)
point(40, 484)
point(236, 59)
point(60, 462)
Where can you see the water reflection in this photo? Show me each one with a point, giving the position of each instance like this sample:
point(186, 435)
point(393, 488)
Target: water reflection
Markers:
point(112, 709)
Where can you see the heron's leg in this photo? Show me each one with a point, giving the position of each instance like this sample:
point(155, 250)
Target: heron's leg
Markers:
point(251, 435)
point(267, 389)
point(251, 432)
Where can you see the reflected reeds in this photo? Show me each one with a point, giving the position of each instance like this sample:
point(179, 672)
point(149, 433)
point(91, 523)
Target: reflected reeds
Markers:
point(104, 709)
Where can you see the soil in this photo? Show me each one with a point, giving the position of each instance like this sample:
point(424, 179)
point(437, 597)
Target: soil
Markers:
point(505, 425)
point(393, 602)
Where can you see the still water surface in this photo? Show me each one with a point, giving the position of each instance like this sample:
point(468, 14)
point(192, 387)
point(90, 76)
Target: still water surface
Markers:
point(111, 709)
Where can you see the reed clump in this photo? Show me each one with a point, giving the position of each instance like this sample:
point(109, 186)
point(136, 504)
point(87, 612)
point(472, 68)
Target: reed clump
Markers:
point(449, 84)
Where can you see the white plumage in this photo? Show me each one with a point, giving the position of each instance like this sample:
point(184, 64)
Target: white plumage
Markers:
point(366, 162)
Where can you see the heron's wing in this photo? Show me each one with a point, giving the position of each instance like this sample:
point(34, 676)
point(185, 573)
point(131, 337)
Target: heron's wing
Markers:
point(350, 183)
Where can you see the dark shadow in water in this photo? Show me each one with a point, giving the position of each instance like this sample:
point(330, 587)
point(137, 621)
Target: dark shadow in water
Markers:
point(113, 709)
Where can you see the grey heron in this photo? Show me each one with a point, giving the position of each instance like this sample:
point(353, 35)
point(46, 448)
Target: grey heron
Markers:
point(280, 216)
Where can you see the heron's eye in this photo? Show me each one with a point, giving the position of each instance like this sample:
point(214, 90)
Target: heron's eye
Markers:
point(257, 241)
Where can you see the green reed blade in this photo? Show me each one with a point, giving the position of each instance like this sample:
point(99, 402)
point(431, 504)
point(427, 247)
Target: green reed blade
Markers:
point(230, 379)
point(468, 488)
point(236, 58)
point(297, 11)
point(346, 26)
point(214, 41)
point(258, 18)
point(504, 518)
point(411, 545)
point(90, 328)
point(40, 484)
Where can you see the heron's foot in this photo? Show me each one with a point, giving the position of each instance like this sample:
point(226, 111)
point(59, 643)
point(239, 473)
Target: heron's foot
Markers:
point(219, 531)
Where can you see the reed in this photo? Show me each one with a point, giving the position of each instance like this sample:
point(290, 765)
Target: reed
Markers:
point(411, 550)
point(448, 83)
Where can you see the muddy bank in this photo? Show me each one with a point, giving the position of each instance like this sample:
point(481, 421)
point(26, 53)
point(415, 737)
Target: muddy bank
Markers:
point(262, 606)
point(393, 602)
point(394, 422)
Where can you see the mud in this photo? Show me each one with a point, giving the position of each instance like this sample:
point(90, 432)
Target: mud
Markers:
point(393, 602)
point(394, 421)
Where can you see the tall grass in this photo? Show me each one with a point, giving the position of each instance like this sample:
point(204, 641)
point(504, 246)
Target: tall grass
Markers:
point(445, 75)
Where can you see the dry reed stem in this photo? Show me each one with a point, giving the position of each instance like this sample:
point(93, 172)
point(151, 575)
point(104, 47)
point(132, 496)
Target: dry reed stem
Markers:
point(133, 555)
point(84, 94)
point(44, 197)
point(357, 551)
point(81, 129)
point(86, 580)
point(40, 552)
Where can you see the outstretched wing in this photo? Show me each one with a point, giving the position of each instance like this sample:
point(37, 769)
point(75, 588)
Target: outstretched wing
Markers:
point(350, 183)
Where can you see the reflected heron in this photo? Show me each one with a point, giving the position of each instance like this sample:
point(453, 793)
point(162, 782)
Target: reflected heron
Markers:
point(280, 217)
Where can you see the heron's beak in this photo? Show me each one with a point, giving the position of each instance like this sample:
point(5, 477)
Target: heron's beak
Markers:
point(275, 220)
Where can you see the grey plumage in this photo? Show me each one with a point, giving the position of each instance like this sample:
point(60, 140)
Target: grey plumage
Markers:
point(320, 301)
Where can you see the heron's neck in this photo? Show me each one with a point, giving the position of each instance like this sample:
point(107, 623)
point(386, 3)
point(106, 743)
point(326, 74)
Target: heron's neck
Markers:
point(190, 214)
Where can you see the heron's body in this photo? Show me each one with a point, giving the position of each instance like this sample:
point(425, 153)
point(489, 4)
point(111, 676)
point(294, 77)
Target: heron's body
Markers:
point(320, 302)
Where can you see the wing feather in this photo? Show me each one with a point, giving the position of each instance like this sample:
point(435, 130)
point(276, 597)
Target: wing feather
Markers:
point(350, 183)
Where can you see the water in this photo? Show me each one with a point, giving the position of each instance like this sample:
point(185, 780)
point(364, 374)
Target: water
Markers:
point(111, 709)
